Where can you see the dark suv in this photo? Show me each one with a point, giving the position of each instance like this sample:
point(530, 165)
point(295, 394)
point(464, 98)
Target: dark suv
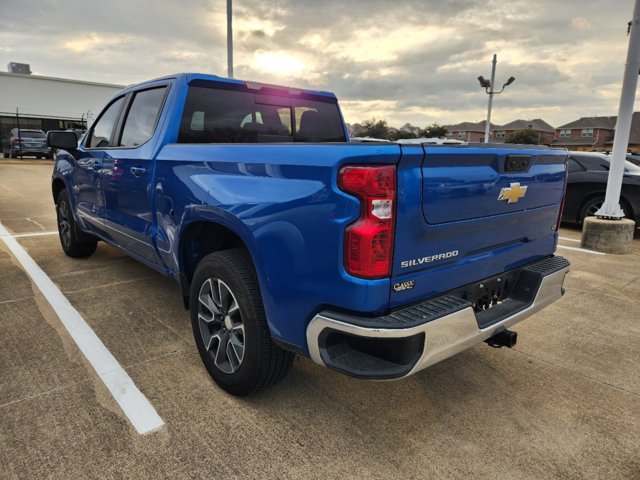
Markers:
point(27, 142)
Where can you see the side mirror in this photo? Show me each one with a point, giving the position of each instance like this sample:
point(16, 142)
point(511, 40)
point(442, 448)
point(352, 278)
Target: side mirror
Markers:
point(62, 139)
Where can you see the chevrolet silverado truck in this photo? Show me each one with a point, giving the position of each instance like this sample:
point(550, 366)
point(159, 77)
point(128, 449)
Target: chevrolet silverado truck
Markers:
point(376, 260)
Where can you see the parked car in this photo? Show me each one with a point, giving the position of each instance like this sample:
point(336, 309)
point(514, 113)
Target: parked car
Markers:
point(374, 259)
point(27, 142)
point(587, 185)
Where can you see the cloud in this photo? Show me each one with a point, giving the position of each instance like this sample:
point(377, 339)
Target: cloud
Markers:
point(580, 23)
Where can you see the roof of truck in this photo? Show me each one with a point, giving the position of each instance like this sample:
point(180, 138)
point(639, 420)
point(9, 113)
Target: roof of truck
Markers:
point(189, 77)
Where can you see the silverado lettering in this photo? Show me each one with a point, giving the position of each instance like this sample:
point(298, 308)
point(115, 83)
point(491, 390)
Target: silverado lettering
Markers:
point(432, 258)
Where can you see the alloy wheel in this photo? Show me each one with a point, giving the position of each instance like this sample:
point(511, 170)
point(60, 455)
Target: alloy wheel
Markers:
point(221, 325)
point(64, 226)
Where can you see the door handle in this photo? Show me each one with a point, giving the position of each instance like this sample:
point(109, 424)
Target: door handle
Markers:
point(137, 171)
point(96, 166)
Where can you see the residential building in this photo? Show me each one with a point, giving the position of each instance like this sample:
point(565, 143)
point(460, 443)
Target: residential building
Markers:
point(546, 133)
point(469, 131)
point(587, 134)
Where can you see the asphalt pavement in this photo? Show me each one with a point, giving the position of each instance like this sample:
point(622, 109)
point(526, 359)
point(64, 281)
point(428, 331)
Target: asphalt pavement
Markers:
point(564, 403)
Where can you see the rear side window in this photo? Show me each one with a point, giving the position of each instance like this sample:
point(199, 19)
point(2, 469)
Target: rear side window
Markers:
point(228, 116)
point(142, 117)
point(574, 166)
point(103, 128)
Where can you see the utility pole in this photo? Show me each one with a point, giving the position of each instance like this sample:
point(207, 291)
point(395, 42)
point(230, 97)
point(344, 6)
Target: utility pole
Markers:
point(19, 134)
point(229, 40)
point(611, 206)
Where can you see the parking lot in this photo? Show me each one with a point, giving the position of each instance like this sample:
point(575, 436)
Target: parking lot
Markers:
point(564, 403)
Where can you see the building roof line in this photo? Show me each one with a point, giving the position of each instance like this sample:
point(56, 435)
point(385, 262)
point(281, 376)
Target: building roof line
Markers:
point(64, 80)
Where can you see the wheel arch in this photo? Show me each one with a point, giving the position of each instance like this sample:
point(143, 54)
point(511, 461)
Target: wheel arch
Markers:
point(57, 185)
point(198, 239)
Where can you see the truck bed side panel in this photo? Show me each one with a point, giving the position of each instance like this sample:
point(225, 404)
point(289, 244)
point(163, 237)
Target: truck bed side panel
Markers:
point(283, 201)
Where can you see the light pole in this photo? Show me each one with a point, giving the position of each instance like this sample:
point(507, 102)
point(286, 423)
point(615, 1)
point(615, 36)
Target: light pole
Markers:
point(489, 89)
point(611, 206)
point(229, 40)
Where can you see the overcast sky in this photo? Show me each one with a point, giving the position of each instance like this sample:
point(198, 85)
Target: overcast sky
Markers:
point(402, 60)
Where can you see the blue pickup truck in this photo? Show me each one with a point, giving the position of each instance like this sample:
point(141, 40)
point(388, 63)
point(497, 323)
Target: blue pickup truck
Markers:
point(376, 260)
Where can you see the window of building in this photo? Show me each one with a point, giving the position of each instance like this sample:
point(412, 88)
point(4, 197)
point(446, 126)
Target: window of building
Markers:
point(103, 128)
point(499, 133)
point(214, 115)
point(587, 132)
point(462, 134)
point(142, 117)
point(565, 132)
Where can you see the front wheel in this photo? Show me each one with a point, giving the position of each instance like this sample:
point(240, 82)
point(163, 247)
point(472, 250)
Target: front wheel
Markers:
point(74, 243)
point(230, 327)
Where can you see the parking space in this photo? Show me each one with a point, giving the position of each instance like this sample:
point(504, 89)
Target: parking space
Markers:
point(564, 403)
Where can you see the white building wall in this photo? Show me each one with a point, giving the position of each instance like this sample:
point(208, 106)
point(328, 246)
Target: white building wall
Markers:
point(52, 97)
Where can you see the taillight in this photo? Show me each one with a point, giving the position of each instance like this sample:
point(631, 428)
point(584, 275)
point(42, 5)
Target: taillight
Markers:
point(564, 194)
point(368, 244)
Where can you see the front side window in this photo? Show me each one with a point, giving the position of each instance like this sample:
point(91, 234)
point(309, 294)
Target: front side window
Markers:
point(214, 115)
point(103, 128)
point(142, 117)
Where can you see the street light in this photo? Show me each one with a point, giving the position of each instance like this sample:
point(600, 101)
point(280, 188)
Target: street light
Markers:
point(488, 86)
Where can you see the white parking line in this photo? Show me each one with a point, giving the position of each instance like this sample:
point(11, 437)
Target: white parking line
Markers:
point(569, 239)
point(35, 234)
point(133, 403)
point(584, 250)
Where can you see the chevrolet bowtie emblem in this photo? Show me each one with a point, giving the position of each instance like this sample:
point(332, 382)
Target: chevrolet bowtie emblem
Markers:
point(512, 194)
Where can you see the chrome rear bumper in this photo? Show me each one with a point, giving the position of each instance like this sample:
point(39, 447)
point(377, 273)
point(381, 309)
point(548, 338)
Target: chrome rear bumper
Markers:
point(433, 341)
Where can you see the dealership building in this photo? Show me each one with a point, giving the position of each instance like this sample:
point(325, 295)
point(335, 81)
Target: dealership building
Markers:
point(47, 103)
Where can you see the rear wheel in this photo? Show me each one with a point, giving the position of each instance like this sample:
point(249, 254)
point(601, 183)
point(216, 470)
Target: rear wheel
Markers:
point(230, 327)
point(74, 243)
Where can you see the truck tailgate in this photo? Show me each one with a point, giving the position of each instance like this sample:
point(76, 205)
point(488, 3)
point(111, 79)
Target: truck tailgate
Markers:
point(465, 213)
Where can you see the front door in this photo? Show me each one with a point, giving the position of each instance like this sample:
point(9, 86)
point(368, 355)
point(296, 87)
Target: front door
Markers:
point(87, 178)
point(127, 176)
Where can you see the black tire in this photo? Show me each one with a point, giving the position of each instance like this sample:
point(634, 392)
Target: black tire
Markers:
point(591, 206)
point(262, 363)
point(75, 244)
point(5, 153)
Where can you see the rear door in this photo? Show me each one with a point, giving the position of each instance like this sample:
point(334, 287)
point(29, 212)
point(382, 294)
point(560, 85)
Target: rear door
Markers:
point(127, 175)
point(469, 212)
